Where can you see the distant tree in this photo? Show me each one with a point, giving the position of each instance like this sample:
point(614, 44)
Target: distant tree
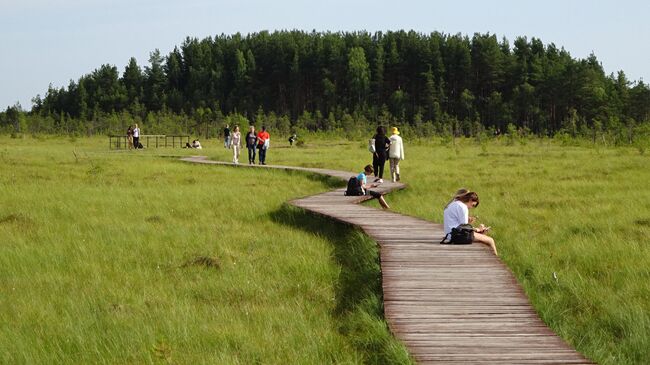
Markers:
point(173, 68)
point(378, 74)
point(155, 82)
point(132, 79)
point(359, 73)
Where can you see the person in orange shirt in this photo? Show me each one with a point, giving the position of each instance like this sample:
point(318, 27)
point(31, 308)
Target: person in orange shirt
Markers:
point(263, 141)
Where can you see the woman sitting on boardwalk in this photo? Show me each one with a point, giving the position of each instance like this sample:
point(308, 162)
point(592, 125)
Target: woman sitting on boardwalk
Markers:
point(457, 213)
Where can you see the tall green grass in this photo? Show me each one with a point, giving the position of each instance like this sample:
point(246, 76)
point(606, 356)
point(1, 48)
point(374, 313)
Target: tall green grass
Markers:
point(131, 257)
point(98, 250)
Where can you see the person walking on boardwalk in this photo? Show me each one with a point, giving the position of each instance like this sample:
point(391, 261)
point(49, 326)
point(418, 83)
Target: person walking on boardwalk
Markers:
point(251, 142)
point(395, 154)
point(381, 152)
point(263, 142)
point(457, 213)
point(129, 137)
point(226, 136)
point(236, 145)
point(363, 182)
point(136, 137)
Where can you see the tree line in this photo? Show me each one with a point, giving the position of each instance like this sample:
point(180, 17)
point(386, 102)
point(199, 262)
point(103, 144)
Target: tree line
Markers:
point(430, 83)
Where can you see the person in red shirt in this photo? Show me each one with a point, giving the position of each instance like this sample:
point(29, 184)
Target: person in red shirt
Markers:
point(263, 140)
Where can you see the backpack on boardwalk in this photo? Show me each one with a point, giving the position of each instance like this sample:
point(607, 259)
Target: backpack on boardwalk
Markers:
point(461, 235)
point(354, 188)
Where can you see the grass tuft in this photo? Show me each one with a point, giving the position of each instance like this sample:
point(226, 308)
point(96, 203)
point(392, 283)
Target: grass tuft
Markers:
point(13, 218)
point(154, 219)
point(205, 261)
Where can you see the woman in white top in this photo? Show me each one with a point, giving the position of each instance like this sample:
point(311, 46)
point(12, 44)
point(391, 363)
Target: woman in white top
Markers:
point(235, 143)
point(395, 154)
point(457, 213)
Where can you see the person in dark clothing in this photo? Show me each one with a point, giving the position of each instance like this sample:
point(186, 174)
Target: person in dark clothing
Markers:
point(380, 155)
point(226, 136)
point(251, 143)
point(129, 137)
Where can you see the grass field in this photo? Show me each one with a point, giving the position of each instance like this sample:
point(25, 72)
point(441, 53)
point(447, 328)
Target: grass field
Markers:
point(113, 257)
point(125, 257)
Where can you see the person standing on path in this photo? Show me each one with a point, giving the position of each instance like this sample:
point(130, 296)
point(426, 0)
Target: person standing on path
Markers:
point(395, 154)
point(129, 137)
point(381, 153)
point(263, 141)
point(226, 136)
point(136, 137)
point(251, 141)
point(236, 145)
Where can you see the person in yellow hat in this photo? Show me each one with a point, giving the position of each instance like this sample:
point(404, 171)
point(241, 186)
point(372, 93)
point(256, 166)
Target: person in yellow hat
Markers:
point(395, 153)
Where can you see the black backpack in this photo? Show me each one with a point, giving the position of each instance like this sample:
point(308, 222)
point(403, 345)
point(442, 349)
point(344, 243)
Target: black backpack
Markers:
point(461, 235)
point(354, 188)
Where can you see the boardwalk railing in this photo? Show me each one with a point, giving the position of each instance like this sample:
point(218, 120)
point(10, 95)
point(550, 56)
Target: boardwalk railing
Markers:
point(446, 303)
point(149, 141)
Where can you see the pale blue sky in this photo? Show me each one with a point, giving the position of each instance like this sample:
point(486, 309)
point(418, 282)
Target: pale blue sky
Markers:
point(45, 42)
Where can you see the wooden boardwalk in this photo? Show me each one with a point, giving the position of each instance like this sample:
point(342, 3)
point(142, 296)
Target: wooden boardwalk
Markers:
point(447, 304)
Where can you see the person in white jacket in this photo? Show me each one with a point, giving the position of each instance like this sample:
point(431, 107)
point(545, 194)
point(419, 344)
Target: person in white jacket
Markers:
point(395, 154)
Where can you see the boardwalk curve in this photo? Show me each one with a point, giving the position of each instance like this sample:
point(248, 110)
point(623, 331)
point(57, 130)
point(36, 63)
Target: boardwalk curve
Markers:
point(447, 304)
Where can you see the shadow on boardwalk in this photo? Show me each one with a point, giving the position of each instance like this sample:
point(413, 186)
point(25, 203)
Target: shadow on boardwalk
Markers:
point(359, 304)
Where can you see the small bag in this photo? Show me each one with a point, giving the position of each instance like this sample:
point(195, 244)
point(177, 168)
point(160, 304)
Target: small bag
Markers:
point(371, 145)
point(267, 144)
point(461, 235)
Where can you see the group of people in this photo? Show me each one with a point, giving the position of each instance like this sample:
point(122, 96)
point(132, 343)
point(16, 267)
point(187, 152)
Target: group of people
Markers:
point(386, 148)
point(254, 141)
point(133, 137)
point(260, 141)
point(456, 212)
point(383, 148)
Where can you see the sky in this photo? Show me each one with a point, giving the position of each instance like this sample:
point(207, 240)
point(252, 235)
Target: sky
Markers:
point(52, 42)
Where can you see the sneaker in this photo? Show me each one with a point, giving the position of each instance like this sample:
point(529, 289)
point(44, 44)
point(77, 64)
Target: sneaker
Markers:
point(380, 181)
